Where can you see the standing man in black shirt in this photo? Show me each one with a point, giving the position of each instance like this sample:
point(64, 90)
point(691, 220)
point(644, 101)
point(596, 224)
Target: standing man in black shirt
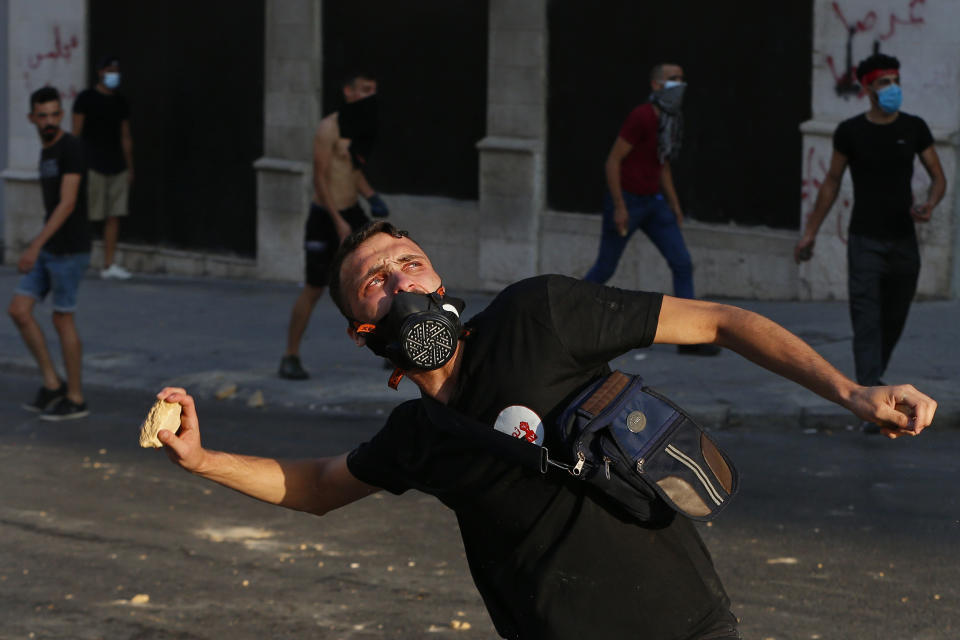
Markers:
point(55, 261)
point(883, 259)
point(101, 118)
point(551, 558)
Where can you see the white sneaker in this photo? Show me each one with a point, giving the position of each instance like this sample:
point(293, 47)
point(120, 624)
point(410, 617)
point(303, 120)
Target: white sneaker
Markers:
point(115, 272)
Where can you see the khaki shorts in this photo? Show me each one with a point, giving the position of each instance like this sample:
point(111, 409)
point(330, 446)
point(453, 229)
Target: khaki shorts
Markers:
point(106, 195)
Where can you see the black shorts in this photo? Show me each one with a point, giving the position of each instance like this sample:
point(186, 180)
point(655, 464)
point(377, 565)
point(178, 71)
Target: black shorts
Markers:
point(321, 240)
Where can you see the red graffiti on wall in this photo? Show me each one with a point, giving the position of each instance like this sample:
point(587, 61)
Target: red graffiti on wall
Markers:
point(62, 49)
point(845, 82)
point(869, 21)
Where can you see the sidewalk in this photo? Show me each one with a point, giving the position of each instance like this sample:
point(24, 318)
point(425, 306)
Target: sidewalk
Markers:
point(208, 334)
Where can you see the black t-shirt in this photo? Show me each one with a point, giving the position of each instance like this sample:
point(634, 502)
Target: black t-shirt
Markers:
point(881, 165)
point(101, 129)
point(548, 557)
point(66, 156)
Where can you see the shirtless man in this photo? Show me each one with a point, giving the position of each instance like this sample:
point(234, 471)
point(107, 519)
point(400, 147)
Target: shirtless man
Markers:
point(341, 147)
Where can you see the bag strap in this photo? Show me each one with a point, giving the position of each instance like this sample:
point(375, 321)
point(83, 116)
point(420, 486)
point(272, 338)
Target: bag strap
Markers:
point(526, 454)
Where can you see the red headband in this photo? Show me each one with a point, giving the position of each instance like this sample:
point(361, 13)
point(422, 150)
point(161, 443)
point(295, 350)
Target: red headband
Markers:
point(868, 78)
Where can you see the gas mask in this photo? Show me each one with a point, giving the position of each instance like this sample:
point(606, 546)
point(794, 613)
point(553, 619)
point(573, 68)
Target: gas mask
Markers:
point(419, 332)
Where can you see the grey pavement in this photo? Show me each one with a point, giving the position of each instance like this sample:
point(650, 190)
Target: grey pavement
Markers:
point(210, 335)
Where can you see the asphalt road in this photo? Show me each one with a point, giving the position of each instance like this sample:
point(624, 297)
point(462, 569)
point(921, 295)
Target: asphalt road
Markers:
point(834, 535)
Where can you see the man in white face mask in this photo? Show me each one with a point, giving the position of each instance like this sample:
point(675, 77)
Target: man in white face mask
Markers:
point(640, 187)
point(101, 119)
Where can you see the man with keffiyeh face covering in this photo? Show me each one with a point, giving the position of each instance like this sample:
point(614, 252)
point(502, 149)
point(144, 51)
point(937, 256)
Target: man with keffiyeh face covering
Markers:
point(640, 187)
point(883, 258)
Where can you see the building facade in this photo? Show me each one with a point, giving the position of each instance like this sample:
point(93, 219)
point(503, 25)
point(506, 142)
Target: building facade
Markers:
point(496, 120)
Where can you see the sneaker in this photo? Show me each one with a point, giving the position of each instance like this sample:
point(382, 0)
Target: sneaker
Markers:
point(698, 349)
point(115, 272)
point(65, 409)
point(291, 369)
point(45, 398)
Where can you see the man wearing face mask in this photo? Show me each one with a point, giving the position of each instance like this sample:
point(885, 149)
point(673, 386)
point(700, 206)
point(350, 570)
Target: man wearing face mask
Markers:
point(550, 557)
point(342, 146)
point(883, 259)
point(640, 191)
point(101, 118)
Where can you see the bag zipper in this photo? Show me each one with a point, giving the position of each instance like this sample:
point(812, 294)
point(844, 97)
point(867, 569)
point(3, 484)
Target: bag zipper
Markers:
point(659, 441)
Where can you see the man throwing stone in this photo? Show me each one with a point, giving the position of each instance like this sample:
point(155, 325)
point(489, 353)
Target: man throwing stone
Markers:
point(883, 259)
point(341, 147)
point(550, 557)
point(55, 261)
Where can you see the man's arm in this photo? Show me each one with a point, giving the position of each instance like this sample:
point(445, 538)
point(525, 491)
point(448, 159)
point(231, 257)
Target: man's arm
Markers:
point(769, 345)
point(315, 486)
point(78, 119)
point(615, 158)
point(126, 142)
point(938, 185)
point(69, 188)
point(666, 184)
point(323, 142)
point(826, 196)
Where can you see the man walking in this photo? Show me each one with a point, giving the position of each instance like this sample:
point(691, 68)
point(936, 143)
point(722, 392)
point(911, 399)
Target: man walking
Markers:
point(101, 118)
point(341, 147)
point(550, 557)
point(55, 261)
point(640, 191)
point(883, 258)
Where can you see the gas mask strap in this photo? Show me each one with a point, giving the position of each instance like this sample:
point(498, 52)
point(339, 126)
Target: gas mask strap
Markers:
point(395, 378)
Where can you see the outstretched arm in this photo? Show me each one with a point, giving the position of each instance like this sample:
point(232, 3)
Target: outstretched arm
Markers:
point(769, 345)
point(315, 486)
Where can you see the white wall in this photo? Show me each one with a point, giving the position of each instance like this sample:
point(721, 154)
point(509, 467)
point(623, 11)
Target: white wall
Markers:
point(925, 38)
point(46, 44)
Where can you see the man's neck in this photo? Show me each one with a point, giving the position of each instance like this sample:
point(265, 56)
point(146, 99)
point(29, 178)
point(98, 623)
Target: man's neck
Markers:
point(102, 88)
point(47, 145)
point(440, 384)
point(876, 115)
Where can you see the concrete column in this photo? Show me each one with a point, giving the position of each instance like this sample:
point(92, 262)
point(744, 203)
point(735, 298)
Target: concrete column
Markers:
point(512, 171)
point(292, 73)
point(922, 37)
point(46, 44)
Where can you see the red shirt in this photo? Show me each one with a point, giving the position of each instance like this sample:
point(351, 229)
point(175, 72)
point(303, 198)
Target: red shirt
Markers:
point(640, 169)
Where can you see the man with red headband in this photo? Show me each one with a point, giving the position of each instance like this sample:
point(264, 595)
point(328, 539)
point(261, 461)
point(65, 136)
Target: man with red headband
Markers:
point(883, 259)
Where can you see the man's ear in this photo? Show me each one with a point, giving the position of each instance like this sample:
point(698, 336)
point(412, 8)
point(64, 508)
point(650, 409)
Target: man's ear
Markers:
point(358, 339)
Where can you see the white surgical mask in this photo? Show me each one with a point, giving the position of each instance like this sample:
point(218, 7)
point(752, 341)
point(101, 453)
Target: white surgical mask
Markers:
point(111, 79)
point(670, 84)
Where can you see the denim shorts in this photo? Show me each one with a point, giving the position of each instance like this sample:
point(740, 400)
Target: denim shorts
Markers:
point(60, 274)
